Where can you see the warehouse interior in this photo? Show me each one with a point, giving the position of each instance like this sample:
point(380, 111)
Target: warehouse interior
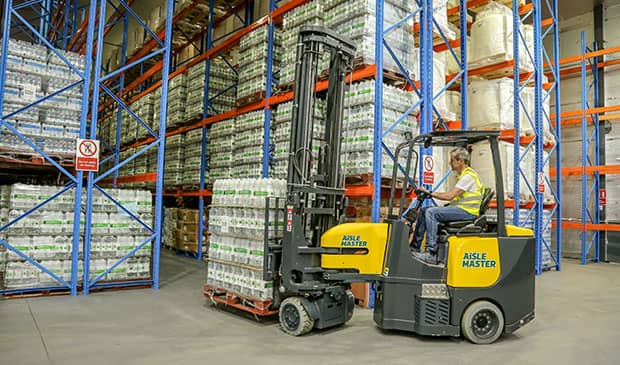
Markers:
point(153, 155)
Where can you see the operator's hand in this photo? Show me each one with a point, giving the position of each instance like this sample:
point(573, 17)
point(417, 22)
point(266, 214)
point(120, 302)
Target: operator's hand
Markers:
point(422, 189)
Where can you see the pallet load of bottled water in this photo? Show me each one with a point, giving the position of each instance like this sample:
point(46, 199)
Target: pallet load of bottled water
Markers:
point(357, 21)
point(115, 234)
point(282, 135)
point(169, 227)
point(46, 235)
point(220, 150)
point(526, 220)
point(358, 126)
point(222, 88)
point(253, 51)
point(34, 72)
point(173, 161)
point(237, 226)
point(192, 157)
point(309, 14)
point(248, 145)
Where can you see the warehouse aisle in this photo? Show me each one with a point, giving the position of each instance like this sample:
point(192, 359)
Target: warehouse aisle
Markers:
point(176, 326)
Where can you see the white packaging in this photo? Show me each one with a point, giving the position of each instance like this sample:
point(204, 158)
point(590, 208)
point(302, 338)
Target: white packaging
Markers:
point(492, 38)
point(491, 104)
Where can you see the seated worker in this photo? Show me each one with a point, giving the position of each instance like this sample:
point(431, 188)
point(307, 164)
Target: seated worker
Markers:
point(464, 204)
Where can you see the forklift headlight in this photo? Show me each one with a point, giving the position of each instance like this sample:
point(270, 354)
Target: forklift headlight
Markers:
point(435, 291)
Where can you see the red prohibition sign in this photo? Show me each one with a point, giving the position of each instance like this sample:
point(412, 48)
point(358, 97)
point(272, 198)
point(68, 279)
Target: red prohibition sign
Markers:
point(428, 163)
point(88, 148)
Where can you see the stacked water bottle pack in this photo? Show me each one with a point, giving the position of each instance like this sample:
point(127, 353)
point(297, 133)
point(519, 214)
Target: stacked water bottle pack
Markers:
point(357, 21)
point(254, 50)
point(237, 227)
point(220, 149)
point(222, 88)
point(46, 235)
point(33, 72)
point(308, 14)
point(192, 156)
point(282, 135)
point(358, 126)
point(248, 145)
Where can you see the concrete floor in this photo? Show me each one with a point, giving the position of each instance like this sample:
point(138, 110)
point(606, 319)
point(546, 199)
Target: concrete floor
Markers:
point(577, 322)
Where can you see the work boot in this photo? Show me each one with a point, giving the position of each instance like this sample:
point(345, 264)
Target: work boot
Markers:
point(427, 257)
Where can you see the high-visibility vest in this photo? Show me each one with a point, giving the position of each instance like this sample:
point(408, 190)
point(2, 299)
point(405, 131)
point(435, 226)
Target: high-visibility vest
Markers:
point(469, 202)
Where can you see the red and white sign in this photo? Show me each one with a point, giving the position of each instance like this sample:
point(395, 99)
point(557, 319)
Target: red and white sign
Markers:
point(603, 197)
point(428, 175)
point(87, 155)
point(289, 219)
point(541, 182)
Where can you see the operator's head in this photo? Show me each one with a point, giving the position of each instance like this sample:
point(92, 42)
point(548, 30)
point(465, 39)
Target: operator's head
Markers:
point(459, 159)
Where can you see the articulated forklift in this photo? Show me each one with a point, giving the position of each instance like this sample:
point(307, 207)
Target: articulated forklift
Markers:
point(483, 283)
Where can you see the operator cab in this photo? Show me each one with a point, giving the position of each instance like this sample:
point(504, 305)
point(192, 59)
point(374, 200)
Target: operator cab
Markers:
point(477, 225)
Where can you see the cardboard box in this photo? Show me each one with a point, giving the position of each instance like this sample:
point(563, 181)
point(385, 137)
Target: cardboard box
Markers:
point(361, 292)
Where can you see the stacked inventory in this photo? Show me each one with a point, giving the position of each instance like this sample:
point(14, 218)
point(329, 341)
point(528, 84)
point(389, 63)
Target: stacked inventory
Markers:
point(46, 235)
point(247, 156)
point(33, 72)
point(169, 227)
point(357, 21)
point(177, 98)
point(192, 158)
point(237, 227)
point(282, 135)
point(144, 109)
point(173, 168)
point(358, 124)
point(309, 14)
point(115, 234)
point(492, 38)
point(220, 149)
point(253, 51)
point(187, 231)
point(222, 88)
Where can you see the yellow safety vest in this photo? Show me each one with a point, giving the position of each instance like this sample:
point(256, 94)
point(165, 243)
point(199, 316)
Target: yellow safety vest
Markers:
point(469, 202)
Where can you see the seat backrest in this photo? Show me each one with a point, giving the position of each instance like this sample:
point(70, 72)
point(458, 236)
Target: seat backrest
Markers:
point(487, 196)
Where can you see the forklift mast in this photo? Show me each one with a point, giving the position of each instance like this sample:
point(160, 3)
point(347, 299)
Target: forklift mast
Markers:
point(314, 202)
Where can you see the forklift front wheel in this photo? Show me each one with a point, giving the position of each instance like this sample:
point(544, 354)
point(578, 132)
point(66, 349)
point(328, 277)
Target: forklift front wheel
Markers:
point(294, 318)
point(482, 322)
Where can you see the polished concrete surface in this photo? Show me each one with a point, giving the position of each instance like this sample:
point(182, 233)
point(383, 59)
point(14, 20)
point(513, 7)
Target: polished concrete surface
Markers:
point(577, 322)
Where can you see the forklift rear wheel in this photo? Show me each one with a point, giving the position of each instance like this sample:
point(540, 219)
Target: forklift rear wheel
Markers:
point(294, 318)
point(482, 322)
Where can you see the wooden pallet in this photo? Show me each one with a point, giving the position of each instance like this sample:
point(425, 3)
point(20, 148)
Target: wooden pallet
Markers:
point(35, 158)
point(247, 304)
point(366, 179)
point(253, 98)
point(64, 291)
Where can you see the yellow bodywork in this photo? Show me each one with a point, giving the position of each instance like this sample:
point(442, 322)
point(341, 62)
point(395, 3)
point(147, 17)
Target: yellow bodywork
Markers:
point(473, 261)
point(366, 242)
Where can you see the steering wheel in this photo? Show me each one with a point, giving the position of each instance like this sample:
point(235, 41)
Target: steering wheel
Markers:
point(422, 195)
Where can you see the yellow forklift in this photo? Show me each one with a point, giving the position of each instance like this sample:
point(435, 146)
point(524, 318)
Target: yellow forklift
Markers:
point(483, 282)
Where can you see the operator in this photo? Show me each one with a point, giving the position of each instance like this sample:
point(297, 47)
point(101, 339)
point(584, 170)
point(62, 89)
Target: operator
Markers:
point(465, 200)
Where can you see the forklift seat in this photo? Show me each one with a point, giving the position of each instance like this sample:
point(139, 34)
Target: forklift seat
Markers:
point(474, 225)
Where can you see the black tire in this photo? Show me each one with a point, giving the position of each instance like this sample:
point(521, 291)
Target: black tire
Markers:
point(294, 318)
point(482, 322)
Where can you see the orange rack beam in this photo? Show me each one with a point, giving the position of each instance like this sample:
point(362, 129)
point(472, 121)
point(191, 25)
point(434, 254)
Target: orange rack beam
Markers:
point(589, 226)
point(588, 170)
point(148, 177)
point(199, 193)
